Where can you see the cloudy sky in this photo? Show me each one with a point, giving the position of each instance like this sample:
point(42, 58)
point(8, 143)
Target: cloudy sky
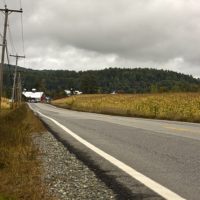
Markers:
point(95, 34)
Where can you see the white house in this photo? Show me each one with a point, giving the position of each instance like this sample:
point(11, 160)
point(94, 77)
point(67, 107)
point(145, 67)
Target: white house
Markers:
point(34, 96)
point(77, 92)
point(70, 92)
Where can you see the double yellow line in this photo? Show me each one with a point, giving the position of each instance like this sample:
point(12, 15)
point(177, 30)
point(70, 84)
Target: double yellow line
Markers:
point(181, 129)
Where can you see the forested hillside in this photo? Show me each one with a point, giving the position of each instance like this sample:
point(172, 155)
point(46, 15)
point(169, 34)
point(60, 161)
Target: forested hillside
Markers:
point(137, 80)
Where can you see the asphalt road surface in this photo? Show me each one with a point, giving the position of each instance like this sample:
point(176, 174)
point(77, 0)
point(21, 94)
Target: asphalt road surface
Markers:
point(164, 152)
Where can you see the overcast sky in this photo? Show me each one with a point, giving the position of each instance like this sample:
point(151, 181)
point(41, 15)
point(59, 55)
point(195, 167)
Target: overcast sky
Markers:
point(96, 34)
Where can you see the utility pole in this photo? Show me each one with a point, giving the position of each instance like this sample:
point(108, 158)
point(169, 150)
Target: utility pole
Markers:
point(6, 12)
point(14, 92)
point(19, 89)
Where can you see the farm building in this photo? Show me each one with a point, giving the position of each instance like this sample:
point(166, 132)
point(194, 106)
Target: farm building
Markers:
point(34, 96)
point(72, 92)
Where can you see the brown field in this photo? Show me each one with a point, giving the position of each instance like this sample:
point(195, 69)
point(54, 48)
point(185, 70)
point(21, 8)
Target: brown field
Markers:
point(20, 168)
point(171, 106)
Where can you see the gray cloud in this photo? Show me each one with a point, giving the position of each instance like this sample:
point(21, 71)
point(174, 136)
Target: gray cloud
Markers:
point(93, 34)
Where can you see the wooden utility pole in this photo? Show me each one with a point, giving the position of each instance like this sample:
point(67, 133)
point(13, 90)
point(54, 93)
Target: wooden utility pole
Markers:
point(19, 89)
point(15, 93)
point(6, 12)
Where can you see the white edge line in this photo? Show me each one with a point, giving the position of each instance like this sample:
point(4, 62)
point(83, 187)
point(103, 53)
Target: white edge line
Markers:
point(156, 187)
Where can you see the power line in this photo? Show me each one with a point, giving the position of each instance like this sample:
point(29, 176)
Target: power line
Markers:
point(11, 40)
point(20, 3)
point(22, 30)
point(6, 12)
point(7, 53)
point(13, 48)
point(2, 14)
point(23, 45)
point(1, 31)
point(4, 2)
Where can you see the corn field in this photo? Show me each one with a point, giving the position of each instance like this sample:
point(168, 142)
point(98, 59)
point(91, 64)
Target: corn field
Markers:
point(172, 106)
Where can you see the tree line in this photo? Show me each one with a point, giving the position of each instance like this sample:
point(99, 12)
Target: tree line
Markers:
point(119, 80)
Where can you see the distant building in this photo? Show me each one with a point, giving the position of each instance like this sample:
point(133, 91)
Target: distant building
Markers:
point(72, 92)
point(34, 96)
point(68, 92)
point(76, 92)
point(114, 92)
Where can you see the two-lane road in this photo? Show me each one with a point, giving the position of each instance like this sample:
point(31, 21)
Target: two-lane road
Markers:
point(164, 151)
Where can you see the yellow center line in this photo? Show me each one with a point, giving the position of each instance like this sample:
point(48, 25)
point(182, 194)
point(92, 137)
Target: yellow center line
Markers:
point(180, 129)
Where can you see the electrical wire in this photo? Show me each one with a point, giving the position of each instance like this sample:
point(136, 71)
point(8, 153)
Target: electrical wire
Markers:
point(7, 53)
point(10, 74)
point(22, 31)
point(1, 21)
point(20, 3)
point(4, 2)
point(12, 43)
point(11, 40)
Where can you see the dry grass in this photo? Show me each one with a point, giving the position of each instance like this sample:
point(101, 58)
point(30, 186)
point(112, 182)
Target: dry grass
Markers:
point(172, 106)
point(20, 171)
point(5, 103)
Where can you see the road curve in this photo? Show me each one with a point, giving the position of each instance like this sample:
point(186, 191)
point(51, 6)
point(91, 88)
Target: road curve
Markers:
point(165, 151)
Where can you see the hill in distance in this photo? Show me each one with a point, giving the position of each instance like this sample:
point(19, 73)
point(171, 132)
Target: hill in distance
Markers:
point(136, 80)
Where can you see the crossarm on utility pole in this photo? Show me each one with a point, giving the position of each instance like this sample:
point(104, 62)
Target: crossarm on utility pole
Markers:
point(16, 56)
point(10, 10)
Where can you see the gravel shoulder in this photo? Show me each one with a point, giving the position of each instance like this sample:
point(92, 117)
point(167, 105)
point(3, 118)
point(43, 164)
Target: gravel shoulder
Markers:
point(65, 175)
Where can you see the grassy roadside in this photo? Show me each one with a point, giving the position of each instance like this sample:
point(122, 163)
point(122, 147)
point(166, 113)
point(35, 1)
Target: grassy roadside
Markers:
point(171, 106)
point(5, 103)
point(20, 171)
